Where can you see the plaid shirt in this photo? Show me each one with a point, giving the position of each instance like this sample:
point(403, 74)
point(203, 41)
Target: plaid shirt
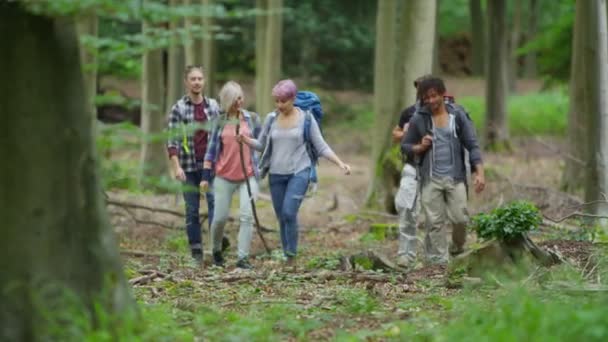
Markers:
point(181, 123)
point(214, 148)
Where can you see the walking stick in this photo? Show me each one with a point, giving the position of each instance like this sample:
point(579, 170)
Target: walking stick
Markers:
point(255, 213)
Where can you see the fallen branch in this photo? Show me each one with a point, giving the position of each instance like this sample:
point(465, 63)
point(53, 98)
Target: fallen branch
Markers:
point(574, 214)
point(147, 278)
point(144, 207)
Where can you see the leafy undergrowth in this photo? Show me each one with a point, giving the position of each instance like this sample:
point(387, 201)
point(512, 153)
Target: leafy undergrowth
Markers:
point(319, 301)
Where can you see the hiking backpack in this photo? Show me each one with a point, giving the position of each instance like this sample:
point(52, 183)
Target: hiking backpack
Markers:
point(310, 102)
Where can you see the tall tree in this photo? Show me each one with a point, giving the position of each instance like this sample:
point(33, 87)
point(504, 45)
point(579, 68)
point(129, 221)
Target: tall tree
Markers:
point(478, 35)
point(573, 177)
point(57, 245)
point(385, 86)
point(87, 25)
point(192, 22)
point(208, 45)
point(497, 131)
point(271, 58)
point(409, 23)
point(514, 44)
point(260, 48)
point(175, 62)
point(153, 161)
point(530, 70)
point(596, 62)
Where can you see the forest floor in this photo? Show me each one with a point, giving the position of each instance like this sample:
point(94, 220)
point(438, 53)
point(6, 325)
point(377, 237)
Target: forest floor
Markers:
point(320, 299)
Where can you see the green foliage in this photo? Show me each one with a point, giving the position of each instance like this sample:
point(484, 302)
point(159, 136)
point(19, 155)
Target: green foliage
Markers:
point(525, 316)
point(507, 222)
point(330, 38)
point(553, 45)
point(357, 301)
point(543, 113)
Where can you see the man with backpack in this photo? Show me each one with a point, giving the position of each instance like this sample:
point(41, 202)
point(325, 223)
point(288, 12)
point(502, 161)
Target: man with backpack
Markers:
point(438, 136)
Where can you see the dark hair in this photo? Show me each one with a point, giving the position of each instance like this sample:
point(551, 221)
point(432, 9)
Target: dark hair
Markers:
point(420, 79)
point(432, 82)
point(189, 68)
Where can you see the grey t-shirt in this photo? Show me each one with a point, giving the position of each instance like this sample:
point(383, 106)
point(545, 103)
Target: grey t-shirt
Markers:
point(289, 153)
point(445, 162)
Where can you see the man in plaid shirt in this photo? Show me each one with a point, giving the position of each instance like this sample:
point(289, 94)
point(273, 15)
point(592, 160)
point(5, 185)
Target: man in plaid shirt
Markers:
point(187, 146)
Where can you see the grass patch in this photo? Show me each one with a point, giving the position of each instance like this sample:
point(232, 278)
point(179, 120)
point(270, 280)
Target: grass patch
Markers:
point(531, 114)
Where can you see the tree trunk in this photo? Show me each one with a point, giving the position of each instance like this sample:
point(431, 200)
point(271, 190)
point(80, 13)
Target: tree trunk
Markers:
point(260, 48)
point(497, 132)
point(208, 46)
point(478, 35)
point(385, 109)
point(419, 31)
point(175, 63)
point(270, 34)
point(530, 60)
point(58, 254)
point(153, 161)
point(596, 60)
point(417, 28)
point(573, 178)
point(192, 24)
point(515, 32)
point(436, 68)
point(87, 25)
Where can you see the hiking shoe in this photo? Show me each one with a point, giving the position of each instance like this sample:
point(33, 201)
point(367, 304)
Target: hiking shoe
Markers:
point(197, 255)
point(218, 259)
point(244, 264)
point(225, 244)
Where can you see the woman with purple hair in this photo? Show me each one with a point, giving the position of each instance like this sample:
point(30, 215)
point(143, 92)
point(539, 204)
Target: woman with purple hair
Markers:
point(286, 158)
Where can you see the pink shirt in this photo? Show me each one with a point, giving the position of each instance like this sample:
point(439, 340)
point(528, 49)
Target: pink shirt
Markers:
point(228, 165)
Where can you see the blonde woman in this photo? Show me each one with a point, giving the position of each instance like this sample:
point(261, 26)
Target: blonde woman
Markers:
point(223, 157)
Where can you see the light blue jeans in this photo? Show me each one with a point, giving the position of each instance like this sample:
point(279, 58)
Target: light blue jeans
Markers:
point(287, 192)
point(223, 190)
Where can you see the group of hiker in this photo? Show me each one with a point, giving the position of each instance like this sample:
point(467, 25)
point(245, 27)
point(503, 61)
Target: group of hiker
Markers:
point(217, 149)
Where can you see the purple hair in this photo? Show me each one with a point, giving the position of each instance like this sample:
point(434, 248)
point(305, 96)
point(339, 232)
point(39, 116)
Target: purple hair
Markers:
point(285, 90)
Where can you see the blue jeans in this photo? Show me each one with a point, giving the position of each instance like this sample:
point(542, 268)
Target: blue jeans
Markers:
point(192, 199)
point(287, 192)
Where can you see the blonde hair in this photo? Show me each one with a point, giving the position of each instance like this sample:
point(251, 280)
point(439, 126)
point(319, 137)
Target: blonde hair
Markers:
point(229, 94)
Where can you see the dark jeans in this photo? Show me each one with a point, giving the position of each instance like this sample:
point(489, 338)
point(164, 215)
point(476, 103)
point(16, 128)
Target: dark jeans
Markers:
point(287, 192)
point(192, 199)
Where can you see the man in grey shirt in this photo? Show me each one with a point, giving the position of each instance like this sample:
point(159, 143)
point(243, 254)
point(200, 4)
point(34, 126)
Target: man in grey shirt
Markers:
point(438, 136)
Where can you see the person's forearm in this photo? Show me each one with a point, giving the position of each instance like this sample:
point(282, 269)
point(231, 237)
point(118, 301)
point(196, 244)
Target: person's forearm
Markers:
point(479, 169)
point(332, 157)
point(175, 162)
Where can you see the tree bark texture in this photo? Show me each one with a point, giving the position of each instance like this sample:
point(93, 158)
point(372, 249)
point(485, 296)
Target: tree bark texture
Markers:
point(87, 25)
point(574, 176)
point(260, 49)
point(57, 253)
point(478, 35)
point(385, 95)
point(530, 70)
point(271, 58)
point(419, 31)
point(596, 53)
point(175, 63)
point(153, 159)
point(514, 45)
point(208, 47)
point(497, 132)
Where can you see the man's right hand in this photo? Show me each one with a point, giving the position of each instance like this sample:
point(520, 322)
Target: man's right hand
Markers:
point(425, 144)
point(179, 174)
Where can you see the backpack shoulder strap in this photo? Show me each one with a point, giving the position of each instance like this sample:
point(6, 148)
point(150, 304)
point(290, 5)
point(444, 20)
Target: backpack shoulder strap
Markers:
point(307, 124)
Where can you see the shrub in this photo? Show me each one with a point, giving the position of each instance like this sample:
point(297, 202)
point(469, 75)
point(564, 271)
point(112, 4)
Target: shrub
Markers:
point(507, 222)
